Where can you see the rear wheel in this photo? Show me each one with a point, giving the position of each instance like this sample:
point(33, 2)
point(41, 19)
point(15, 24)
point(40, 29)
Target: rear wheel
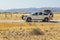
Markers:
point(46, 20)
point(29, 20)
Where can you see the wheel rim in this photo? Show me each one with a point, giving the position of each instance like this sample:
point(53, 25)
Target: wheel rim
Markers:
point(46, 20)
point(29, 19)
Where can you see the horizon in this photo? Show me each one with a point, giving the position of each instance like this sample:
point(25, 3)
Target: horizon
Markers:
point(29, 7)
point(16, 4)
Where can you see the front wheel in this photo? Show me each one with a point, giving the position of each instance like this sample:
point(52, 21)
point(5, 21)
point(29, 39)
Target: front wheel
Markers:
point(29, 20)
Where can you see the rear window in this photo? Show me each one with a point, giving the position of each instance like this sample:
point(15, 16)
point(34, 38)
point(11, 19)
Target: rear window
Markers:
point(45, 13)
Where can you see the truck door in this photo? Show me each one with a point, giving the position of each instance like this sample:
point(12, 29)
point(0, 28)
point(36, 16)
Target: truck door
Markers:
point(40, 16)
point(35, 16)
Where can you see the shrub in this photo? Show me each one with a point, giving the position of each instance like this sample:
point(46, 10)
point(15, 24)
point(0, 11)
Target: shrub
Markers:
point(36, 31)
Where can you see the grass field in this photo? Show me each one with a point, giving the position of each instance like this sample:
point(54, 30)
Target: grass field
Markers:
point(56, 16)
point(28, 31)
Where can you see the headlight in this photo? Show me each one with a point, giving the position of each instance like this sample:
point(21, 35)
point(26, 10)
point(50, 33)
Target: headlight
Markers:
point(25, 16)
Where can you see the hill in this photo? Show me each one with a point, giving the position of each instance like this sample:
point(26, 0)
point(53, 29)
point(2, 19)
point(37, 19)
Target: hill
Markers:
point(55, 9)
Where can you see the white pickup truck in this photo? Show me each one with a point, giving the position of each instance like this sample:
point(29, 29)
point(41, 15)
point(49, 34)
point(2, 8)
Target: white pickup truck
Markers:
point(44, 16)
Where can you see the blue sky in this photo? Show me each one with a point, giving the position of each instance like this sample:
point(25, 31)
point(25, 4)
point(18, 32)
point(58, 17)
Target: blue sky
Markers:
point(11, 4)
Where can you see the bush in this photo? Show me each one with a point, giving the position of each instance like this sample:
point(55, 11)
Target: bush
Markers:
point(36, 31)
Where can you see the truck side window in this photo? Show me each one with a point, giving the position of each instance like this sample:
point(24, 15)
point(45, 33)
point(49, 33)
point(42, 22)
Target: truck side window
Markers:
point(35, 13)
point(40, 13)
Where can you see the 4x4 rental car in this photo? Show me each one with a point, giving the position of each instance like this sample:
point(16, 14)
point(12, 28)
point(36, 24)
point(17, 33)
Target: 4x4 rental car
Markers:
point(44, 16)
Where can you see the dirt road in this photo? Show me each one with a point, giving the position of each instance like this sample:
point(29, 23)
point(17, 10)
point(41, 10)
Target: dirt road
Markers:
point(52, 21)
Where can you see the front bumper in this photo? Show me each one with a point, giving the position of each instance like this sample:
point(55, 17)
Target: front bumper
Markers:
point(24, 17)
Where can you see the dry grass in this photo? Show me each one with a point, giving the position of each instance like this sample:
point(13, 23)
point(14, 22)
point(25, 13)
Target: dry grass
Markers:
point(29, 31)
point(56, 16)
point(10, 16)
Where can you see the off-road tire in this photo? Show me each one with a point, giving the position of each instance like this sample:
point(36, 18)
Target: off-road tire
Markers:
point(45, 20)
point(28, 19)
